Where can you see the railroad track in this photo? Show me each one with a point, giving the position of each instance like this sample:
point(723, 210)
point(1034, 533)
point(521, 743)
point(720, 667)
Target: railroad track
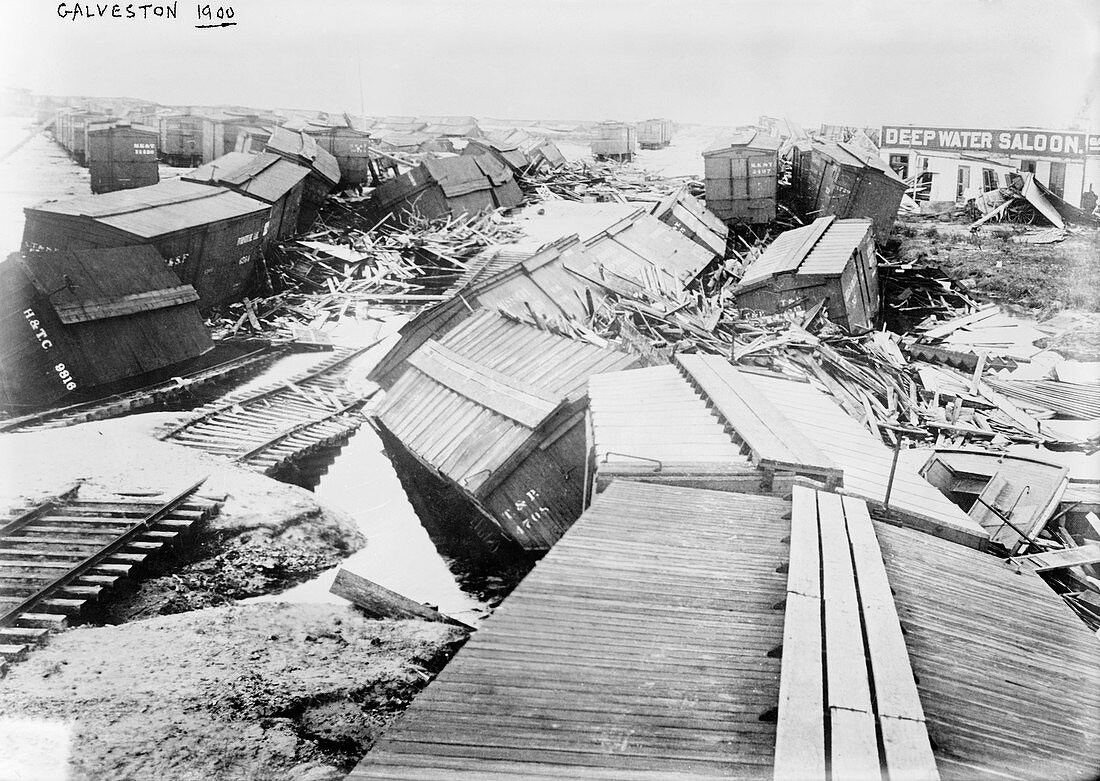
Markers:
point(120, 404)
point(268, 428)
point(64, 553)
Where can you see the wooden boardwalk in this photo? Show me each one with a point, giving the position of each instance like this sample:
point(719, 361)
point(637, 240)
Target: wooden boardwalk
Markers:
point(643, 646)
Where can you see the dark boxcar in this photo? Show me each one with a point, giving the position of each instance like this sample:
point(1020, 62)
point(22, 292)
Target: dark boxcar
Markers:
point(654, 133)
point(210, 236)
point(447, 186)
point(264, 176)
point(76, 319)
point(181, 139)
point(324, 171)
point(121, 156)
point(505, 152)
point(615, 141)
point(830, 260)
point(350, 147)
point(741, 174)
point(837, 179)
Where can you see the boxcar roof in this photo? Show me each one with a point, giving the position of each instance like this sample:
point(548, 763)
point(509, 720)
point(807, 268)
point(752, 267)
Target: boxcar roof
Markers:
point(822, 247)
point(470, 400)
point(99, 127)
point(304, 147)
point(846, 154)
point(266, 176)
point(745, 139)
point(158, 209)
point(458, 175)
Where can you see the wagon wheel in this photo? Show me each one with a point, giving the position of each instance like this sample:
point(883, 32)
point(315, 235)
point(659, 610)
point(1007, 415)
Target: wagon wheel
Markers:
point(1021, 212)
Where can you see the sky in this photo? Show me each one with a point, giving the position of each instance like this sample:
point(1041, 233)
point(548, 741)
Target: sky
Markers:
point(857, 62)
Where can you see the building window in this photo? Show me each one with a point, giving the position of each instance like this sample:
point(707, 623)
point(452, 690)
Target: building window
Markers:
point(989, 179)
point(900, 165)
point(964, 182)
point(1057, 183)
point(1028, 166)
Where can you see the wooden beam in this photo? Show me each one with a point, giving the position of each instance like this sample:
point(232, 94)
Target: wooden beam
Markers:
point(379, 602)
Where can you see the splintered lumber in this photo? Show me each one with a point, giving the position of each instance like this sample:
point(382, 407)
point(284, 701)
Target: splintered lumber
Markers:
point(379, 602)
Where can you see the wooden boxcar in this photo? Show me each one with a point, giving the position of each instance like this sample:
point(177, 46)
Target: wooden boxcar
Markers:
point(251, 139)
point(351, 148)
point(73, 135)
point(78, 319)
point(181, 139)
point(655, 133)
point(496, 409)
point(523, 282)
point(615, 141)
point(830, 260)
point(265, 177)
point(121, 156)
point(741, 173)
point(542, 152)
point(506, 153)
point(837, 179)
point(683, 212)
point(210, 236)
point(220, 130)
point(447, 187)
point(324, 171)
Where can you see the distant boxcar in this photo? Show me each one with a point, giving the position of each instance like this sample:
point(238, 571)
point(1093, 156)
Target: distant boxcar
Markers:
point(122, 156)
point(615, 141)
point(741, 173)
point(181, 139)
point(74, 320)
point(351, 148)
point(838, 179)
point(655, 133)
point(209, 236)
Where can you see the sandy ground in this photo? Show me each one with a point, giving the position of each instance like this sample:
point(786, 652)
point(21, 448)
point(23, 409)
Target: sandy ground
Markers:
point(268, 535)
point(255, 693)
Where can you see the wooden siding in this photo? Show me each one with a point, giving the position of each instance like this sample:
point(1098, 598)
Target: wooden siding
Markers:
point(638, 648)
point(1007, 673)
point(503, 394)
point(864, 459)
point(650, 425)
point(539, 284)
point(122, 156)
point(740, 174)
point(687, 215)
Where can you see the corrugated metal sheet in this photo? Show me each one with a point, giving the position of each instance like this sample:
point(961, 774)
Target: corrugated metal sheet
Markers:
point(865, 460)
point(650, 425)
point(153, 211)
point(490, 399)
point(265, 176)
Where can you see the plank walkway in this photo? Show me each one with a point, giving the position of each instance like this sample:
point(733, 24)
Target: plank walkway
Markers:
point(641, 647)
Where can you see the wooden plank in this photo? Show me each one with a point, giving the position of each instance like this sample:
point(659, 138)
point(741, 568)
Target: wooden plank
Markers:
point(494, 390)
point(804, 570)
point(854, 750)
point(99, 309)
point(800, 729)
point(1069, 557)
point(908, 753)
point(379, 602)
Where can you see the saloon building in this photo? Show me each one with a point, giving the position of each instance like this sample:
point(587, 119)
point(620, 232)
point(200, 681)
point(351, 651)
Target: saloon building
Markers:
point(956, 163)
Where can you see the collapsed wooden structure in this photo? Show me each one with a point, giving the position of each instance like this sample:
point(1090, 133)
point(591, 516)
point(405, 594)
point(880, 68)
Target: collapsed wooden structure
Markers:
point(324, 171)
point(448, 186)
point(829, 262)
point(75, 320)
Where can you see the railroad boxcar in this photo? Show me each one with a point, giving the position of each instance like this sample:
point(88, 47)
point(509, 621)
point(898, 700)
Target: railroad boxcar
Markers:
point(505, 152)
point(209, 236)
point(837, 179)
point(447, 187)
point(831, 261)
point(615, 141)
point(121, 156)
point(73, 320)
point(324, 171)
point(350, 147)
point(495, 408)
point(181, 139)
point(655, 133)
point(741, 174)
point(265, 177)
point(251, 139)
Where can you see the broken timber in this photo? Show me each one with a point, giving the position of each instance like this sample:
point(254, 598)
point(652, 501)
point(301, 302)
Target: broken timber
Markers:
point(379, 602)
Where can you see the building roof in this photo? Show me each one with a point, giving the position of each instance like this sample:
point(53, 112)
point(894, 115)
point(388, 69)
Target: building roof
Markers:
point(469, 401)
point(745, 139)
point(157, 210)
point(824, 247)
point(266, 176)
